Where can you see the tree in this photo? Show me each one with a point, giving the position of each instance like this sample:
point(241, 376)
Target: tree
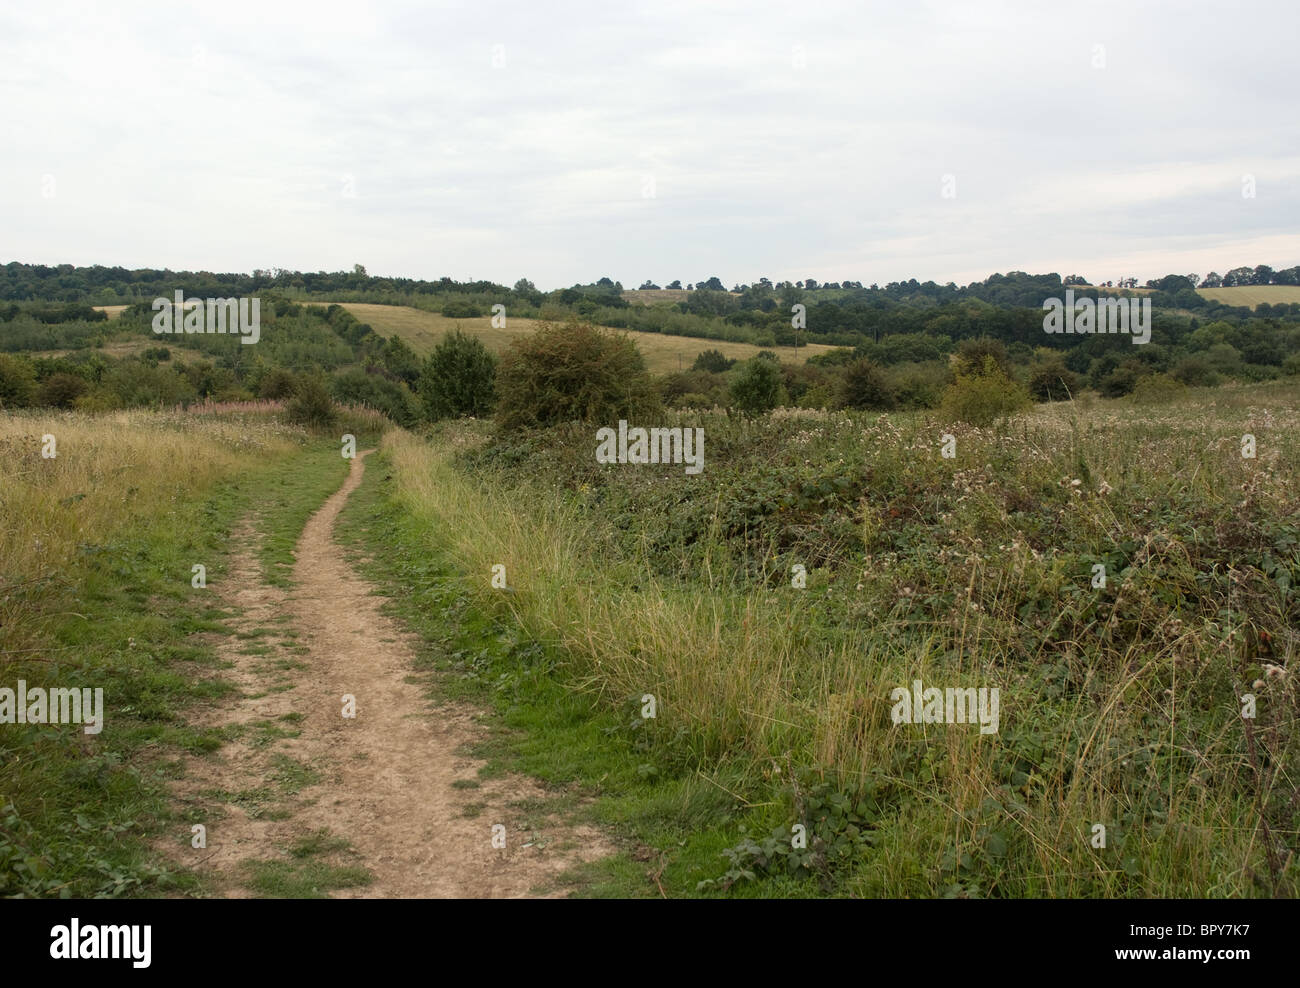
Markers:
point(458, 378)
point(675, 284)
point(572, 372)
point(400, 360)
point(714, 285)
point(757, 389)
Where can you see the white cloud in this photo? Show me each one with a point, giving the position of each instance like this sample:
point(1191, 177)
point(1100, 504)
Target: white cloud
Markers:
point(786, 141)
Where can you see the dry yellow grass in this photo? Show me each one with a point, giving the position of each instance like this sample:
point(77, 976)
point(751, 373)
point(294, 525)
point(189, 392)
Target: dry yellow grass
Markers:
point(1252, 295)
point(129, 347)
point(424, 330)
point(110, 473)
point(113, 310)
point(651, 296)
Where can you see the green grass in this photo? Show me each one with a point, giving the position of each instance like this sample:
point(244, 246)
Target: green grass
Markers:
point(316, 865)
point(291, 497)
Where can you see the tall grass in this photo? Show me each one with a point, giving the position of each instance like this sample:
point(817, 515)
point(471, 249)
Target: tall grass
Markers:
point(1120, 707)
point(110, 473)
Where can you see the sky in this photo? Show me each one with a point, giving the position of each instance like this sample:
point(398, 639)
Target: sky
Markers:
point(563, 142)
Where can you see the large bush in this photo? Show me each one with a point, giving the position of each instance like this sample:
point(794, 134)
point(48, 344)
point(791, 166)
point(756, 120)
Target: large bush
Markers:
point(458, 378)
point(757, 388)
point(374, 390)
point(277, 384)
point(1051, 380)
point(713, 361)
point(981, 399)
point(61, 390)
point(311, 404)
point(865, 386)
point(572, 372)
point(973, 355)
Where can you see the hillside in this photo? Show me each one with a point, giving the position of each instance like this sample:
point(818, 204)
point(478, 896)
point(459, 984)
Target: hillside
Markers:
point(423, 330)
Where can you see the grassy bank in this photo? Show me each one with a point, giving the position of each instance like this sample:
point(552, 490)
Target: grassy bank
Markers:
point(1120, 705)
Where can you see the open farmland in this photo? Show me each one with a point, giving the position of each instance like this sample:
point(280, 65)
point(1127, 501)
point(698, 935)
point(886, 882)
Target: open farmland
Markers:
point(1252, 295)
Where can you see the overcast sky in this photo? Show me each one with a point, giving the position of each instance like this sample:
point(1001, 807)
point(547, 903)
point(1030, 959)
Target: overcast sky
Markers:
point(563, 142)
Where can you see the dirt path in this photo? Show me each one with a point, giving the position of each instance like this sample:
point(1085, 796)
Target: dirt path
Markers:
point(391, 781)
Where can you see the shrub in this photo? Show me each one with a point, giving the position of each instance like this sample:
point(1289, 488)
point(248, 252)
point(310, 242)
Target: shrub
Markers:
point(17, 381)
point(357, 387)
point(865, 386)
point(1155, 388)
point(973, 354)
point(981, 399)
point(1119, 382)
point(757, 388)
point(1195, 371)
point(136, 383)
point(311, 404)
point(61, 390)
point(698, 389)
point(458, 378)
point(713, 361)
point(919, 385)
point(277, 384)
point(1051, 380)
point(461, 309)
point(572, 372)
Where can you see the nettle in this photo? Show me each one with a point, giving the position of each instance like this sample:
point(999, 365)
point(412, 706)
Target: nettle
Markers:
point(833, 830)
